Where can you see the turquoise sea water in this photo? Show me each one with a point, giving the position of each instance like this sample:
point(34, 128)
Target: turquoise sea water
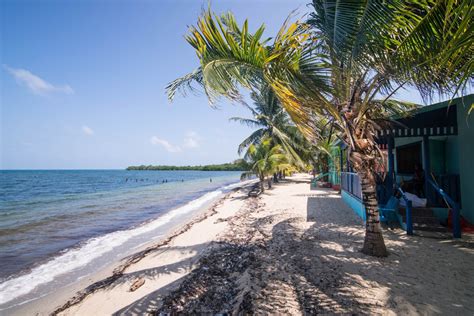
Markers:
point(57, 221)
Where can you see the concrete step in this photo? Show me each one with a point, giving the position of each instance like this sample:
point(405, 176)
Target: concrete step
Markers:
point(423, 219)
point(433, 220)
point(429, 228)
point(417, 211)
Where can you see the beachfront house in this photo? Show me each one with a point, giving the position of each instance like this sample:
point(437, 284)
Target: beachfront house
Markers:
point(431, 155)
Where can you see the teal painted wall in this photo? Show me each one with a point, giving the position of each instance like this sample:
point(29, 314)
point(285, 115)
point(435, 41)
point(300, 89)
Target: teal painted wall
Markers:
point(444, 154)
point(466, 156)
point(334, 166)
point(354, 203)
point(441, 213)
point(437, 156)
point(452, 155)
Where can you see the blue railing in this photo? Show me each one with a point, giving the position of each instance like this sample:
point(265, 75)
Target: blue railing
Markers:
point(455, 208)
point(350, 182)
point(451, 185)
point(408, 213)
point(334, 177)
point(320, 176)
point(314, 182)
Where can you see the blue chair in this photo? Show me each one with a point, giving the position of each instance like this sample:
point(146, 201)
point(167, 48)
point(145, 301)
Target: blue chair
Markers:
point(388, 212)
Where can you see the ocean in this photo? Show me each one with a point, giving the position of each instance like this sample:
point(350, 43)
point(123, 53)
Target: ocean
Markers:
point(58, 225)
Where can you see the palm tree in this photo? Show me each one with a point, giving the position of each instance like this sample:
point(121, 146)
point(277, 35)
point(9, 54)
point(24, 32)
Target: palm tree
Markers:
point(344, 66)
point(274, 123)
point(265, 159)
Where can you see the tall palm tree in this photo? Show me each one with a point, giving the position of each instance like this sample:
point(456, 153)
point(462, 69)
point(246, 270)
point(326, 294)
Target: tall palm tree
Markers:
point(265, 159)
point(274, 123)
point(344, 66)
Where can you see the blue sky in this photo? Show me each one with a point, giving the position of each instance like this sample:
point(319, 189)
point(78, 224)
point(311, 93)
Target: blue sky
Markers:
point(82, 83)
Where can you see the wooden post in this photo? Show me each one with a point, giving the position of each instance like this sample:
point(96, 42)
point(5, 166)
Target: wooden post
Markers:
point(391, 165)
point(409, 218)
point(341, 164)
point(456, 221)
point(427, 167)
point(348, 162)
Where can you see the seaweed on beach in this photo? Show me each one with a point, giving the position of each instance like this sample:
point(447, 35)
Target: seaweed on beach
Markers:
point(119, 271)
point(251, 272)
point(214, 285)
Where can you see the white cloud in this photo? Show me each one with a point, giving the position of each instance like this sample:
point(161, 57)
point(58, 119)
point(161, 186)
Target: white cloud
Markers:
point(192, 140)
point(36, 84)
point(165, 144)
point(87, 130)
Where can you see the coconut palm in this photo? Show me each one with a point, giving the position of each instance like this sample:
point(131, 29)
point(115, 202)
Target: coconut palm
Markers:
point(265, 159)
point(344, 66)
point(274, 123)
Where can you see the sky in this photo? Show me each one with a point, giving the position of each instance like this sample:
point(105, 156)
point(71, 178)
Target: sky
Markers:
point(83, 83)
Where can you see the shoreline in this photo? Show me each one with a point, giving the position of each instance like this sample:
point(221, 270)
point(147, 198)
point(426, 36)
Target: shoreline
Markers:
point(47, 303)
point(136, 257)
point(48, 217)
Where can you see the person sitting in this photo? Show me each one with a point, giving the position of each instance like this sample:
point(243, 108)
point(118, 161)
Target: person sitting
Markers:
point(418, 181)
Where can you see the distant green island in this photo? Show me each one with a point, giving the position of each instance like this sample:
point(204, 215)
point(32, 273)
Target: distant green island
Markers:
point(237, 165)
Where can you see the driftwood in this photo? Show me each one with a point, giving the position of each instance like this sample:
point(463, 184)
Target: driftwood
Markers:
point(119, 271)
point(138, 283)
point(255, 190)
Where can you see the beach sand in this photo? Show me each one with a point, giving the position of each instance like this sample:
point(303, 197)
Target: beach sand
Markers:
point(292, 250)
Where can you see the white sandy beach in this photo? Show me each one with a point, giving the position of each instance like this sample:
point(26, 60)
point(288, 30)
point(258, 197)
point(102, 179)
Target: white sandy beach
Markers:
point(292, 250)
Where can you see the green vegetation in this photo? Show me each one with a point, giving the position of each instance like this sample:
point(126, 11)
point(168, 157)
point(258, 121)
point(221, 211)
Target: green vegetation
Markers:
point(237, 165)
point(336, 74)
point(265, 159)
point(274, 126)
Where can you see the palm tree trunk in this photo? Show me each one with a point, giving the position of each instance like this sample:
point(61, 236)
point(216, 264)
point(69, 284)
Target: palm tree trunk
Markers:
point(324, 167)
point(374, 244)
point(262, 180)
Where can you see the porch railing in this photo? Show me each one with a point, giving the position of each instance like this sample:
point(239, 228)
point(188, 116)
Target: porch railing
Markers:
point(450, 184)
point(314, 182)
point(455, 207)
point(334, 177)
point(350, 182)
point(320, 176)
point(408, 211)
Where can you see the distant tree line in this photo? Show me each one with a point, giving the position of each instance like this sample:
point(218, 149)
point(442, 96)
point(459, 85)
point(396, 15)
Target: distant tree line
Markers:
point(237, 165)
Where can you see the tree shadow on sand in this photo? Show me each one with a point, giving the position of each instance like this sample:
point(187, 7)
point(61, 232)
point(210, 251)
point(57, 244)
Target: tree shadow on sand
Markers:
point(313, 265)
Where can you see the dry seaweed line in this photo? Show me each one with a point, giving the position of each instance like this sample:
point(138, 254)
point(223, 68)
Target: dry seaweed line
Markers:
point(119, 271)
point(214, 286)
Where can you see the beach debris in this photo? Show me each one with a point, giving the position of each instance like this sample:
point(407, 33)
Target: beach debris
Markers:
point(137, 284)
point(118, 272)
point(259, 268)
point(220, 220)
point(255, 190)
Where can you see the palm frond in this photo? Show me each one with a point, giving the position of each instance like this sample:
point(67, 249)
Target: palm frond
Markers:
point(246, 121)
point(185, 84)
point(253, 139)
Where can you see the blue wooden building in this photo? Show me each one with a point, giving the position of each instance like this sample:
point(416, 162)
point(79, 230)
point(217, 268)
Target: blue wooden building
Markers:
point(436, 141)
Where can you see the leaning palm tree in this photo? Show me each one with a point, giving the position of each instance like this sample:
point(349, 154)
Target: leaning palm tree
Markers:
point(343, 65)
point(272, 121)
point(265, 159)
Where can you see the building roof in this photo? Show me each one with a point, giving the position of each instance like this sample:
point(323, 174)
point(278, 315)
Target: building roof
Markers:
point(438, 119)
